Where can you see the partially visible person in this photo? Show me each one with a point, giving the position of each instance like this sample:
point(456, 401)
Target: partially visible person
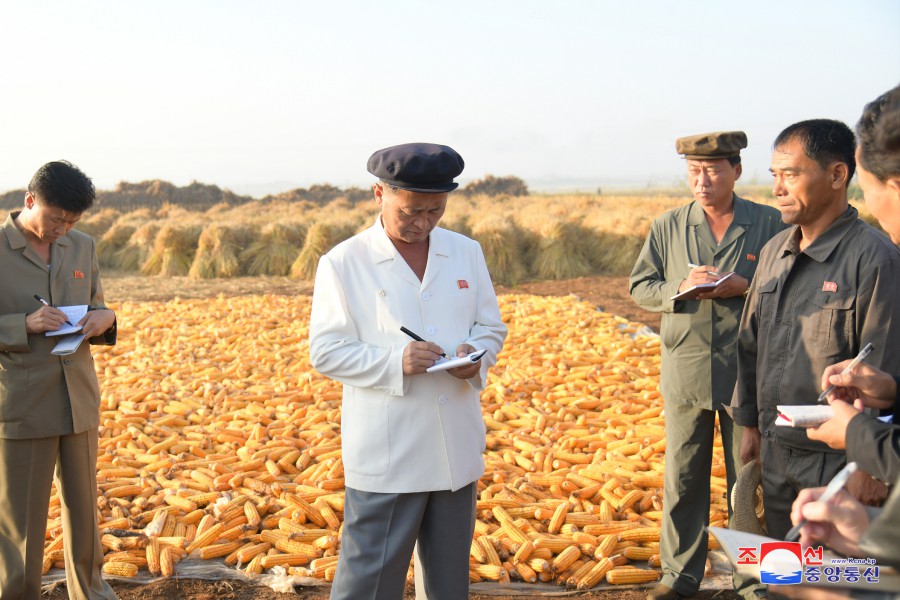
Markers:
point(878, 160)
point(49, 405)
point(873, 444)
point(718, 233)
point(413, 441)
point(847, 526)
point(823, 289)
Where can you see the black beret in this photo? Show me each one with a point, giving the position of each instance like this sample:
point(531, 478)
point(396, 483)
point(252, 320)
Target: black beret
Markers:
point(720, 144)
point(428, 168)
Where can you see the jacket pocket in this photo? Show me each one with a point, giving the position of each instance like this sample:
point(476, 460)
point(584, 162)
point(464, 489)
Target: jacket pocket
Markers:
point(365, 431)
point(78, 291)
point(831, 320)
point(13, 395)
point(767, 302)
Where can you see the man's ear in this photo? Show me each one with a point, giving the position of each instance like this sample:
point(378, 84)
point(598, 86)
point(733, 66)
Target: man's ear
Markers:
point(839, 175)
point(378, 190)
point(738, 169)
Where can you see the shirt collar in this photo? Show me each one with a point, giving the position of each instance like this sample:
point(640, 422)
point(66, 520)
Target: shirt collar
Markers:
point(383, 248)
point(825, 244)
point(13, 233)
point(697, 216)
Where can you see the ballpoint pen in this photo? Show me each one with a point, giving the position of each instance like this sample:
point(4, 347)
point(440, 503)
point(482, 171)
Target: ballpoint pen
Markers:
point(416, 337)
point(45, 303)
point(836, 485)
point(823, 397)
point(713, 273)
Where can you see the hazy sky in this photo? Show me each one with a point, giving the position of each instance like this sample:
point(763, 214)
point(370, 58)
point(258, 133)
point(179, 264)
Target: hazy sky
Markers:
point(265, 96)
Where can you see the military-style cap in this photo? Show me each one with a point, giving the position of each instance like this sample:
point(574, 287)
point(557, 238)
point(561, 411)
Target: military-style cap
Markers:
point(706, 146)
point(428, 168)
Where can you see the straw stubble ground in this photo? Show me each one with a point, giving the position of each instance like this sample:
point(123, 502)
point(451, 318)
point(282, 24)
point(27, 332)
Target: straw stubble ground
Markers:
point(610, 293)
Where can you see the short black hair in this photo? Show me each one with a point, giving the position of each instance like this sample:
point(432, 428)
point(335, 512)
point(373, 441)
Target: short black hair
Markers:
point(63, 185)
point(734, 160)
point(879, 135)
point(825, 141)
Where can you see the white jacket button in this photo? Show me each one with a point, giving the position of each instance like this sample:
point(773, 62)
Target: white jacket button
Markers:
point(442, 400)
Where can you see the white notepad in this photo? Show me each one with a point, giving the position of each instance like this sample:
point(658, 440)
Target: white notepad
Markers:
point(444, 363)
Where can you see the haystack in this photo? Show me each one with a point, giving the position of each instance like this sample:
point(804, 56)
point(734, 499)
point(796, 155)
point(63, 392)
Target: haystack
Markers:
point(131, 256)
point(218, 252)
point(276, 249)
point(320, 238)
point(115, 238)
point(615, 253)
point(96, 224)
point(503, 244)
point(173, 251)
point(561, 252)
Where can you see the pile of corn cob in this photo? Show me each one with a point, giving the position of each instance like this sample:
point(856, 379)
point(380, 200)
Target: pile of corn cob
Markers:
point(218, 440)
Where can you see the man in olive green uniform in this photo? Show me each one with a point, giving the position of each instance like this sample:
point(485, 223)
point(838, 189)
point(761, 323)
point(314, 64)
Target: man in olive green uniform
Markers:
point(49, 404)
point(717, 234)
point(825, 288)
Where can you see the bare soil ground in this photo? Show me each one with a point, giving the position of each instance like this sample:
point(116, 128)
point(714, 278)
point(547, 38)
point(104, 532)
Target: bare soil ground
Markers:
point(608, 293)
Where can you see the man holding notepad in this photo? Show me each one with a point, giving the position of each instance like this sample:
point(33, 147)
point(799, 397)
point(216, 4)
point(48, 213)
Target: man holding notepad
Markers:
point(389, 305)
point(695, 267)
point(824, 289)
point(49, 405)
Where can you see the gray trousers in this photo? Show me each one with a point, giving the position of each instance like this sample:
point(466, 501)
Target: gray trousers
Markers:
point(689, 450)
point(380, 531)
point(26, 471)
point(786, 471)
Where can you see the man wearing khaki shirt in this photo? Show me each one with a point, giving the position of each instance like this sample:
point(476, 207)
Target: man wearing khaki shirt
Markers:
point(49, 404)
point(716, 234)
point(823, 290)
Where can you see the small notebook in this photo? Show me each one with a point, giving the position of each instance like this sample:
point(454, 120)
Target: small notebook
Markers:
point(444, 363)
point(803, 415)
point(692, 292)
point(73, 315)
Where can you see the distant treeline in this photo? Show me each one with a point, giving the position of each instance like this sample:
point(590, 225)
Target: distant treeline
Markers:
point(197, 196)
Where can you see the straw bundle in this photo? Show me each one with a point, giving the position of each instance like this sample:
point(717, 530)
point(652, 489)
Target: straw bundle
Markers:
point(561, 252)
point(320, 238)
point(502, 242)
point(96, 224)
point(275, 251)
point(135, 252)
point(218, 252)
point(458, 223)
point(173, 251)
point(115, 238)
point(614, 253)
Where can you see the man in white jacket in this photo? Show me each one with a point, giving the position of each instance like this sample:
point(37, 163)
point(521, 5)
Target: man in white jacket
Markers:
point(412, 440)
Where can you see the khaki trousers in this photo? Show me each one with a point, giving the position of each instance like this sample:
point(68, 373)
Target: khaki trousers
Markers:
point(26, 472)
point(686, 496)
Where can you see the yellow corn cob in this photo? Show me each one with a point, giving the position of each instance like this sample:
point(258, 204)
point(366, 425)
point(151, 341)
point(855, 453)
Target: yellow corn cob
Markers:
point(120, 569)
point(639, 553)
point(631, 575)
point(565, 559)
point(167, 561)
point(596, 574)
point(218, 550)
point(640, 534)
point(291, 560)
point(206, 538)
point(153, 554)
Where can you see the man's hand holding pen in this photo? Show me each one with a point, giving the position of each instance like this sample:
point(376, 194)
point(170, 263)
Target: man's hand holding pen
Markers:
point(46, 318)
point(702, 274)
